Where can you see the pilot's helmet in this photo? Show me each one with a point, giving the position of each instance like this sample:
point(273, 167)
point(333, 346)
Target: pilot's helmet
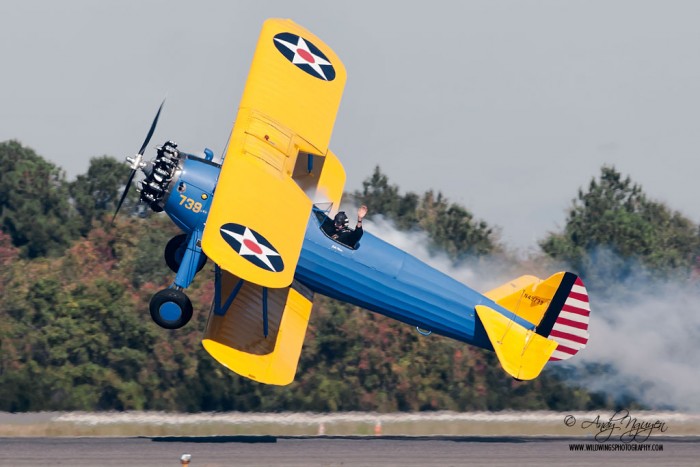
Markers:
point(341, 219)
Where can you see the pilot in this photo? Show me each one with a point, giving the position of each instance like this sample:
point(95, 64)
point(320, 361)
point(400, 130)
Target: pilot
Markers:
point(339, 231)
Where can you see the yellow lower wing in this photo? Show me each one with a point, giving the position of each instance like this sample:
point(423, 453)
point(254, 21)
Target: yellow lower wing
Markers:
point(236, 338)
point(521, 352)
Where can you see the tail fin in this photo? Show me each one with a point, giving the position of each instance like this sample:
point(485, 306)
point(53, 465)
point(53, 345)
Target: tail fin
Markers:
point(557, 306)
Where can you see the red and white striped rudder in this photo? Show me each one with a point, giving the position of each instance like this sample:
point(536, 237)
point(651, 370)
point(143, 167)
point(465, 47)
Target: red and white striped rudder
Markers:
point(570, 329)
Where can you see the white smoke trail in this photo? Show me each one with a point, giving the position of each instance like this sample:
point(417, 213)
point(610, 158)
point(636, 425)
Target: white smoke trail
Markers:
point(480, 274)
point(649, 339)
point(647, 335)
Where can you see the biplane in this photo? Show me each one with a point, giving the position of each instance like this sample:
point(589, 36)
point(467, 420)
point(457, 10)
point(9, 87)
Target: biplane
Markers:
point(257, 216)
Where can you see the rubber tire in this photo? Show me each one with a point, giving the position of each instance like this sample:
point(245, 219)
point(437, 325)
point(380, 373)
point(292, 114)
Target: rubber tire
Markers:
point(175, 250)
point(170, 298)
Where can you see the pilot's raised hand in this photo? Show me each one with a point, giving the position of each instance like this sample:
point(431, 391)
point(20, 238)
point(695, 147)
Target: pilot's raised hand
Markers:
point(361, 212)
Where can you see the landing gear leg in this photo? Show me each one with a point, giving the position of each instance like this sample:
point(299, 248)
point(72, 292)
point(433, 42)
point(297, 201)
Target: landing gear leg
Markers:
point(171, 308)
point(175, 250)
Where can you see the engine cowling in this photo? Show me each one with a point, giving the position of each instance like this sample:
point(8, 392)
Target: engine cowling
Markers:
point(159, 175)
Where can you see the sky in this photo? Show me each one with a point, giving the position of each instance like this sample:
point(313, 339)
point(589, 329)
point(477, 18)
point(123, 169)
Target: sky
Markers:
point(506, 107)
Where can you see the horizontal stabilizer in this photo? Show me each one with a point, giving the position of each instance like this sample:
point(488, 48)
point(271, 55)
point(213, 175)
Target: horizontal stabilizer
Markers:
point(522, 352)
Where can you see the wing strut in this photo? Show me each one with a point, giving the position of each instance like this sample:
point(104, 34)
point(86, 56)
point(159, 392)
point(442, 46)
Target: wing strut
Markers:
point(221, 311)
point(218, 310)
point(264, 310)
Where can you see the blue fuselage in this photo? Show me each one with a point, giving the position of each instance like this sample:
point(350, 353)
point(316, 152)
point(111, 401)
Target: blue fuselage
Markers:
point(376, 276)
point(382, 278)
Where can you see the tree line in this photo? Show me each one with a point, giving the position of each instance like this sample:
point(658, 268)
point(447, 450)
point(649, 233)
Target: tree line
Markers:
point(75, 333)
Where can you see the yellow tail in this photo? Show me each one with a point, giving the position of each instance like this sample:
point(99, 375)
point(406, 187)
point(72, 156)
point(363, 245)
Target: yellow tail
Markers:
point(558, 308)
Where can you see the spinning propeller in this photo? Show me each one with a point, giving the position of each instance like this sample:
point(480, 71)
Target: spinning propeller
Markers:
point(136, 162)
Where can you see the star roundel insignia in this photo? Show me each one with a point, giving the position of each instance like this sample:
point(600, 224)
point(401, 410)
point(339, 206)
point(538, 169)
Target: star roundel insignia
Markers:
point(305, 55)
point(252, 246)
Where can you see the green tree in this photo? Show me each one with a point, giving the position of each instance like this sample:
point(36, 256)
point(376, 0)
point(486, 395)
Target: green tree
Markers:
point(454, 229)
point(384, 198)
point(98, 191)
point(450, 226)
point(34, 202)
point(613, 228)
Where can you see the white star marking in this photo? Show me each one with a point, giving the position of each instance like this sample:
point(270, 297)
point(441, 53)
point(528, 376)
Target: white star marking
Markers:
point(246, 251)
point(300, 60)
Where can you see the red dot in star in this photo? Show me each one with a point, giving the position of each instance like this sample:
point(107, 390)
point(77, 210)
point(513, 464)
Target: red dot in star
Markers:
point(252, 246)
point(306, 55)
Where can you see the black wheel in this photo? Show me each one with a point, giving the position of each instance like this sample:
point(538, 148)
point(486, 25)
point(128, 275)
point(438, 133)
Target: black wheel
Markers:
point(171, 309)
point(175, 250)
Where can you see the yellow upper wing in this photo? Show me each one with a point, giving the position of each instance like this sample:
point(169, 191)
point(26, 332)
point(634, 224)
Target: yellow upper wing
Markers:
point(255, 228)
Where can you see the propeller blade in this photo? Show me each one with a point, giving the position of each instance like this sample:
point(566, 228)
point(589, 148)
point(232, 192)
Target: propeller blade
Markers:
point(153, 128)
point(136, 161)
point(126, 191)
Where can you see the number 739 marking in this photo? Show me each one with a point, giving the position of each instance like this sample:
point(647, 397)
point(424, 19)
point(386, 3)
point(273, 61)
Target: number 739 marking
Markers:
point(190, 204)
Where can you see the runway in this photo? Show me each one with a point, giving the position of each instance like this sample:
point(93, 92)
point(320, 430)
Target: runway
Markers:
point(403, 451)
